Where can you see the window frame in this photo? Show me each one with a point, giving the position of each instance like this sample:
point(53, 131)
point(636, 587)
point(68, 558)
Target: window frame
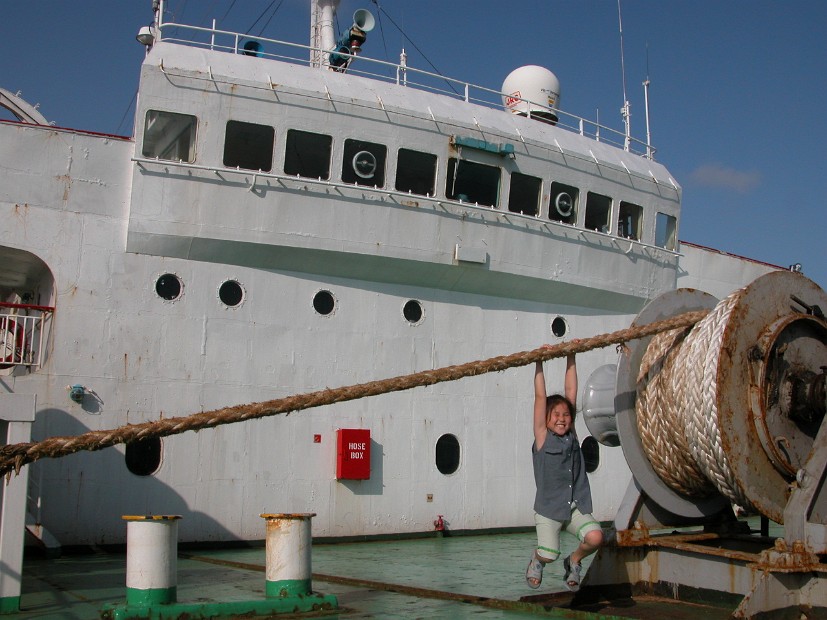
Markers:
point(151, 136)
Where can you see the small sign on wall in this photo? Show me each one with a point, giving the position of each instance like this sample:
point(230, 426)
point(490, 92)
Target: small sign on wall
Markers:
point(352, 454)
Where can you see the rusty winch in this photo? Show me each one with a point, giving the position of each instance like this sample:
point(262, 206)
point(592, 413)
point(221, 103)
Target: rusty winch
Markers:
point(717, 420)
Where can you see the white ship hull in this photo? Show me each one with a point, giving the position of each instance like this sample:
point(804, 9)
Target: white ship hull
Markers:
point(89, 224)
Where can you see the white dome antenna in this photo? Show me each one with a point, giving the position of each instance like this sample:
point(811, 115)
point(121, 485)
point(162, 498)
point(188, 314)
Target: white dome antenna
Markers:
point(532, 91)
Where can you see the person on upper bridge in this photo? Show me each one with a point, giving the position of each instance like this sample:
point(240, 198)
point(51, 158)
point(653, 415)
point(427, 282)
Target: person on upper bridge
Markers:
point(563, 499)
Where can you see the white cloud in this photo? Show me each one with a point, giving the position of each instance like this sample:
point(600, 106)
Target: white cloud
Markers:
point(715, 175)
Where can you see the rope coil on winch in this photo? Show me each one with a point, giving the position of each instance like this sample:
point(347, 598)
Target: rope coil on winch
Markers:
point(14, 456)
point(677, 411)
point(659, 418)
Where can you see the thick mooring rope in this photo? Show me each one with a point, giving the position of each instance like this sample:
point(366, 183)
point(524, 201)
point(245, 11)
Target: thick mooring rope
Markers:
point(677, 408)
point(13, 457)
point(660, 418)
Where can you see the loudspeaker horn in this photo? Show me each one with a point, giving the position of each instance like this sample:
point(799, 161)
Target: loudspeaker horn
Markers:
point(364, 20)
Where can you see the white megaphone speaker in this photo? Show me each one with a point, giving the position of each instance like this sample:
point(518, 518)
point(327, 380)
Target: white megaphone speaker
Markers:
point(364, 20)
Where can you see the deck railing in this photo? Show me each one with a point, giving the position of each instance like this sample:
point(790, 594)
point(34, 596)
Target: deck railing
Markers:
point(402, 74)
point(23, 334)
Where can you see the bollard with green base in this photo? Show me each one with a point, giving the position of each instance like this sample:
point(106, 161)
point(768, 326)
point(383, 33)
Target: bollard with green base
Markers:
point(151, 574)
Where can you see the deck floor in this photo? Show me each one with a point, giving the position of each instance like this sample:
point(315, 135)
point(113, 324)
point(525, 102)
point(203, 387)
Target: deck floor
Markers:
point(435, 577)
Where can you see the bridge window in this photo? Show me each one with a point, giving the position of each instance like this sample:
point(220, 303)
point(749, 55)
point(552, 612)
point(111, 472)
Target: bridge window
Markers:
point(665, 229)
point(629, 222)
point(307, 154)
point(364, 163)
point(249, 146)
point(416, 172)
point(471, 182)
point(598, 209)
point(168, 135)
point(562, 205)
point(524, 195)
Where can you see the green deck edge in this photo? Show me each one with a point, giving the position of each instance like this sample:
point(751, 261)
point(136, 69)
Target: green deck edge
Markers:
point(285, 588)
point(151, 596)
point(173, 611)
point(9, 604)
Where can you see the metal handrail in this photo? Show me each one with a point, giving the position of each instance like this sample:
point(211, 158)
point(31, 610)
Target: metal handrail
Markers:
point(22, 336)
point(465, 91)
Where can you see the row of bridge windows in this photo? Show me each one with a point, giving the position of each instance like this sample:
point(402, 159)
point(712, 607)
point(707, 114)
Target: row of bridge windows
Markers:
point(250, 146)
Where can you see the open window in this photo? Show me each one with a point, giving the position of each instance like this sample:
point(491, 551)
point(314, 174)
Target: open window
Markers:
point(471, 182)
point(524, 194)
point(170, 136)
point(363, 163)
point(630, 221)
point(563, 203)
point(665, 231)
point(249, 146)
point(307, 154)
point(598, 210)
point(416, 172)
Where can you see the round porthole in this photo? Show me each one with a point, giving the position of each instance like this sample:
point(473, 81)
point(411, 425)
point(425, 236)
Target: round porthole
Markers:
point(364, 164)
point(143, 457)
point(324, 303)
point(591, 453)
point(559, 327)
point(412, 311)
point(168, 286)
point(231, 293)
point(447, 454)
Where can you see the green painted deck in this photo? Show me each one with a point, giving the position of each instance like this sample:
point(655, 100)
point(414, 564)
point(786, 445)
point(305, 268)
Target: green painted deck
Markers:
point(435, 577)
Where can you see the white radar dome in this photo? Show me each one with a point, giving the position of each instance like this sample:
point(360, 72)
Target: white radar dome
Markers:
point(532, 89)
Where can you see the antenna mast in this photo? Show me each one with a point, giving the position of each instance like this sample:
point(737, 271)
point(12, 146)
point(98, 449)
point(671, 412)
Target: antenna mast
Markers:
point(649, 149)
point(625, 111)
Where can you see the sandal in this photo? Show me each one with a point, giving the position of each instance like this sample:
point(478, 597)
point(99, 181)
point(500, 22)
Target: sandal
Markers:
point(534, 571)
point(571, 575)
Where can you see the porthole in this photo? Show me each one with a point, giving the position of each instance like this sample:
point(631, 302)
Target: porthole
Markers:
point(447, 454)
point(231, 293)
point(559, 327)
point(168, 286)
point(143, 457)
point(324, 303)
point(591, 453)
point(412, 311)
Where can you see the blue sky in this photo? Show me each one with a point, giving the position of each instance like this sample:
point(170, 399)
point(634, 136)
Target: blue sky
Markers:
point(738, 87)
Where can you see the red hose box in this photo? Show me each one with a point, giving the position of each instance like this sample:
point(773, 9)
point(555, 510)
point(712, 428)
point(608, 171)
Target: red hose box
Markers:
point(352, 454)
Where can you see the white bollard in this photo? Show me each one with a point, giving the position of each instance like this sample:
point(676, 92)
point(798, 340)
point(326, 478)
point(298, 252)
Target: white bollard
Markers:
point(288, 549)
point(151, 559)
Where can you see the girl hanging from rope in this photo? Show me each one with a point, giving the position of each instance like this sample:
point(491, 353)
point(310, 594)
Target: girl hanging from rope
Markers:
point(564, 498)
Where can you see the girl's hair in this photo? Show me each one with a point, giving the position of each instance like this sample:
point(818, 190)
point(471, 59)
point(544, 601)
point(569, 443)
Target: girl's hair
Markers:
point(555, 399)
